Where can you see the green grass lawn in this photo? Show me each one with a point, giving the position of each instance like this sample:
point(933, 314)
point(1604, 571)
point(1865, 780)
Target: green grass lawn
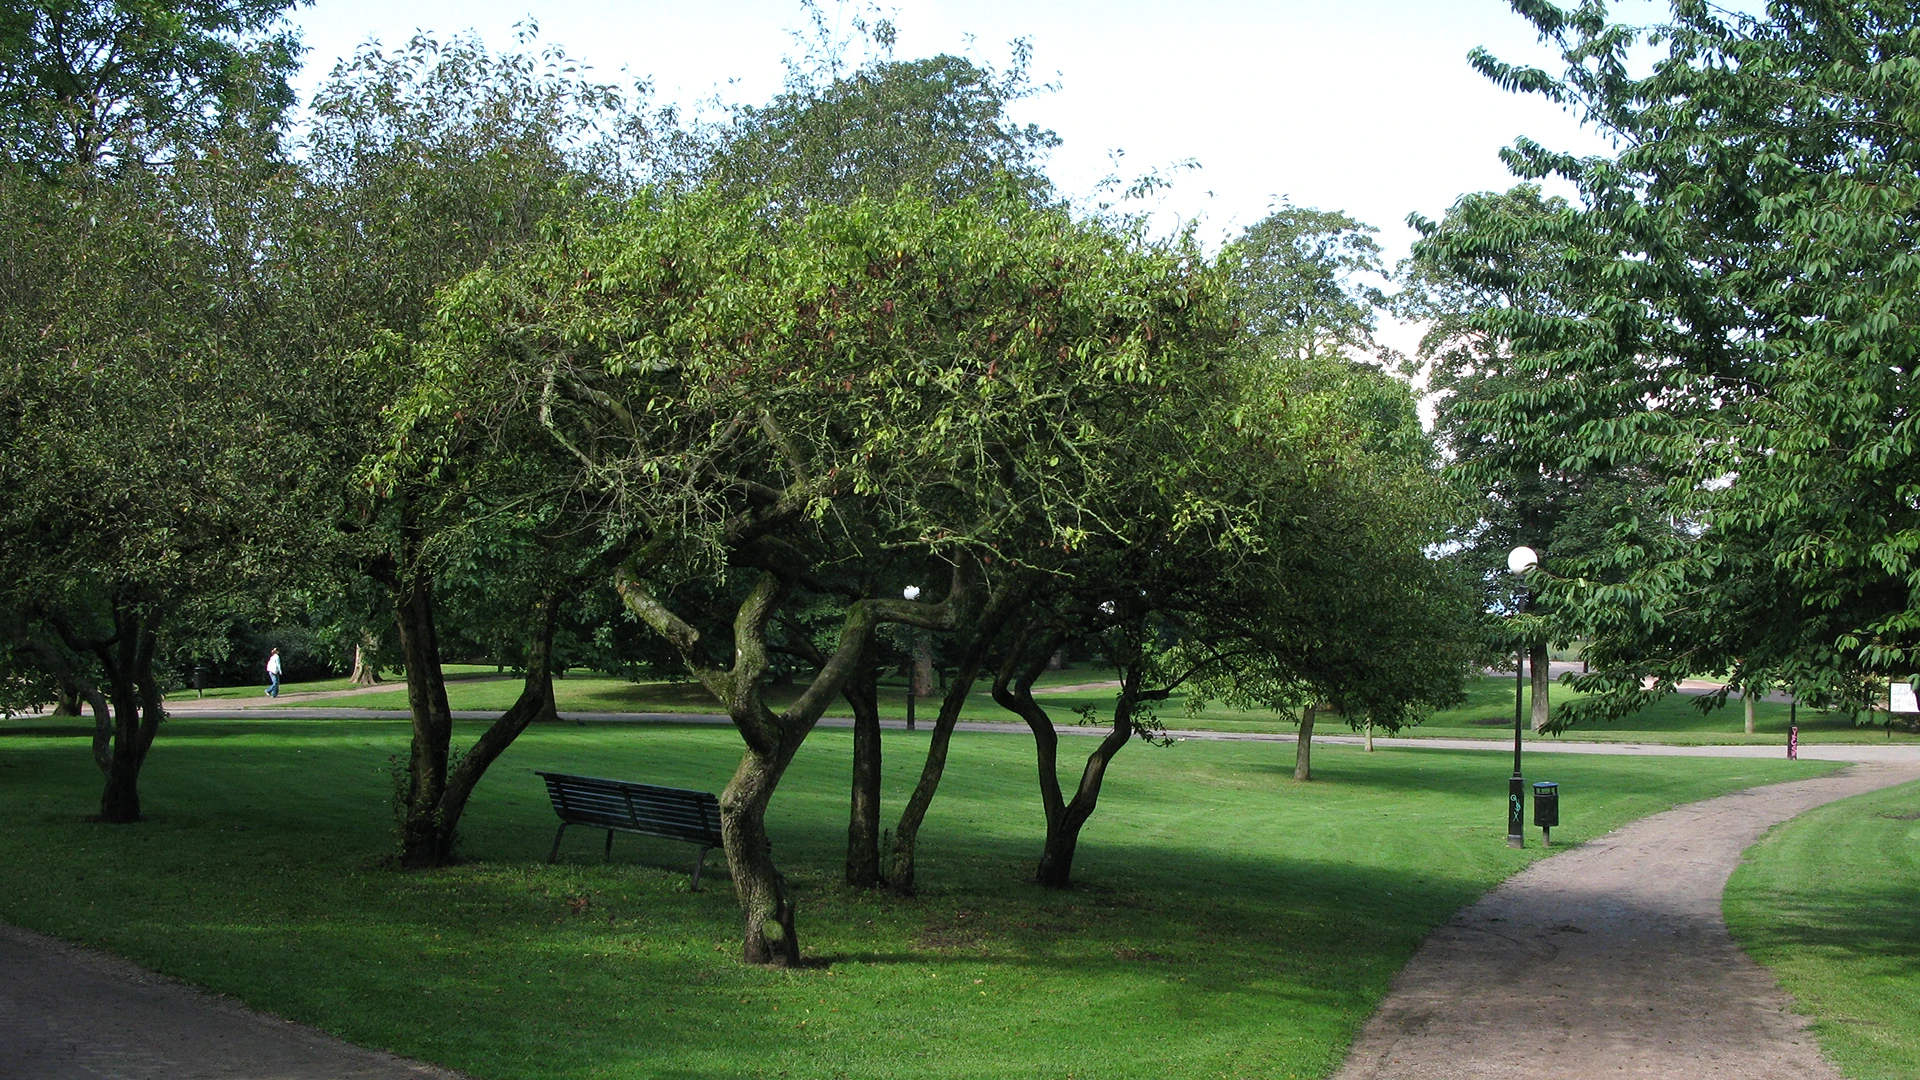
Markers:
point(1827, 901)
point(1228, 922)
point(1487, 713)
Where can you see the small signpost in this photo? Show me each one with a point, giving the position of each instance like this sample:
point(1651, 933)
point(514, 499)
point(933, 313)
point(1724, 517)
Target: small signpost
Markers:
point(1902, 699)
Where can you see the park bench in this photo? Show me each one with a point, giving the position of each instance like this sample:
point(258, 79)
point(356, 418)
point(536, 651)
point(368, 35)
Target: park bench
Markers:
point(644, 809)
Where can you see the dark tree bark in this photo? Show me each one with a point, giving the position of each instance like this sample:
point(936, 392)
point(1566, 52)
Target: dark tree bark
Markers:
point(1001, 606)
point(1013, 690)
point(128, 711)
point(863, 821)
point(426, 777)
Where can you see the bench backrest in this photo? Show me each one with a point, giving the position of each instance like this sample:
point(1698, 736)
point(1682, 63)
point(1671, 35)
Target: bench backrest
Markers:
point(673, 813)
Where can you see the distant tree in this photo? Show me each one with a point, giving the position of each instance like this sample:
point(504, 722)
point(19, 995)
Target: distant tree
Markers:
point(86, 81)
point(936, 126)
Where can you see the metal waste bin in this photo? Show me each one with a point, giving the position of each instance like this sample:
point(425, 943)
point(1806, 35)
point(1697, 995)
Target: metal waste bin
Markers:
point(1546, 808)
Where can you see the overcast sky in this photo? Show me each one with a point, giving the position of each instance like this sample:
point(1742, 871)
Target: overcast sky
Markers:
point(1365, 106)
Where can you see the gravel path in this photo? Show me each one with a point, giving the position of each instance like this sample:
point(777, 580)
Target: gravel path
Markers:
point(73, 1014)
point(1610, 960)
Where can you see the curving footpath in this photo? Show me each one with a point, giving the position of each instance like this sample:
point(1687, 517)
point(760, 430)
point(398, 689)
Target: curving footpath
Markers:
point(1610, 960)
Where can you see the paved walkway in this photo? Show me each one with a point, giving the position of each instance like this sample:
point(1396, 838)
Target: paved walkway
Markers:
point(73, 1014)
point(1611, 960)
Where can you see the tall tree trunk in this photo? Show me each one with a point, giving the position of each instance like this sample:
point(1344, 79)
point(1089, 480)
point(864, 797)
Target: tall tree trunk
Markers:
point(1541, 663)
point(421, 839)
point(1747, 699)
point(901, 868)
point(863, 821)
point(1369, 734)
point(1303, 746)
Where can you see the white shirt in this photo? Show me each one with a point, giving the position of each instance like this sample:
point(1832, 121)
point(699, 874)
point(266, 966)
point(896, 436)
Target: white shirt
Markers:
point(273, 664)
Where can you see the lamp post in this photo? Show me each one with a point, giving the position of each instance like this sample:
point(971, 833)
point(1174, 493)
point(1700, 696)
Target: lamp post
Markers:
point(1519, 561)
point(912, 592)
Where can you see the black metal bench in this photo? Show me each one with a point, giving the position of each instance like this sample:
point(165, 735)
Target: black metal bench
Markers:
point(645, 809)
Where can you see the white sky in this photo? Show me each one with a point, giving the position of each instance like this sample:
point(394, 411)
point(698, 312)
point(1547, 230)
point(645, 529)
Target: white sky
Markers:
point(1364, 106)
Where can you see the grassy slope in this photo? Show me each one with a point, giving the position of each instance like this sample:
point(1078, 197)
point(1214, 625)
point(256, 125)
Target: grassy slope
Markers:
point(1487, 713)
point(1229, 922)
point(1828, 902)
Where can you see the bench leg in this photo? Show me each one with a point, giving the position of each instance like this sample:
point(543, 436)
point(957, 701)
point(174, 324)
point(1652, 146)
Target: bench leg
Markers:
point(698, 864)
point(609, 845)
point(555, 853)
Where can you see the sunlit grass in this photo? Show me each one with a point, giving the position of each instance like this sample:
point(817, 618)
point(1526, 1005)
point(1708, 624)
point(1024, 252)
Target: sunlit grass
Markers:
point(1828, 902)
point(1229, 922)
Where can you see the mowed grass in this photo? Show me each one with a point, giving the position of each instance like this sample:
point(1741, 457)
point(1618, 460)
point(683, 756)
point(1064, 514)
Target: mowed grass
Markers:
point(1228, 922)
point(1486, 714)
point(1829, 902)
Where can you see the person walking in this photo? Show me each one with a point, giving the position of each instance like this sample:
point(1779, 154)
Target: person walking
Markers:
point(273, 673)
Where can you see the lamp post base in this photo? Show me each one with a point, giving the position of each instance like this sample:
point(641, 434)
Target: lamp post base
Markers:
point(1516, 817)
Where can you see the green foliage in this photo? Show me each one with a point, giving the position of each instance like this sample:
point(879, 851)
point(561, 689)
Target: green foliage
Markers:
point(1735, 287)
point(935, 126)
point(82, 81)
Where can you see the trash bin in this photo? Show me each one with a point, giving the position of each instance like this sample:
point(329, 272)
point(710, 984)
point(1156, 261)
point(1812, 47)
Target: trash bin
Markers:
point(1546, 808)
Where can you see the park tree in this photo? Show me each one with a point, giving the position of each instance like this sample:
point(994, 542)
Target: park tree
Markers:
point(936, 126)
point(1305, 287)
point(424, 164)
point(1741, 332)
point(1518, 496)
point(879, 126)
point(761, 407)
point(136, 187)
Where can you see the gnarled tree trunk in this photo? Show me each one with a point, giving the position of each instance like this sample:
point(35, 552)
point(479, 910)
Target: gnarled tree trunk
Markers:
point(769, 935)
point(1013, 689)
point(431, 819)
